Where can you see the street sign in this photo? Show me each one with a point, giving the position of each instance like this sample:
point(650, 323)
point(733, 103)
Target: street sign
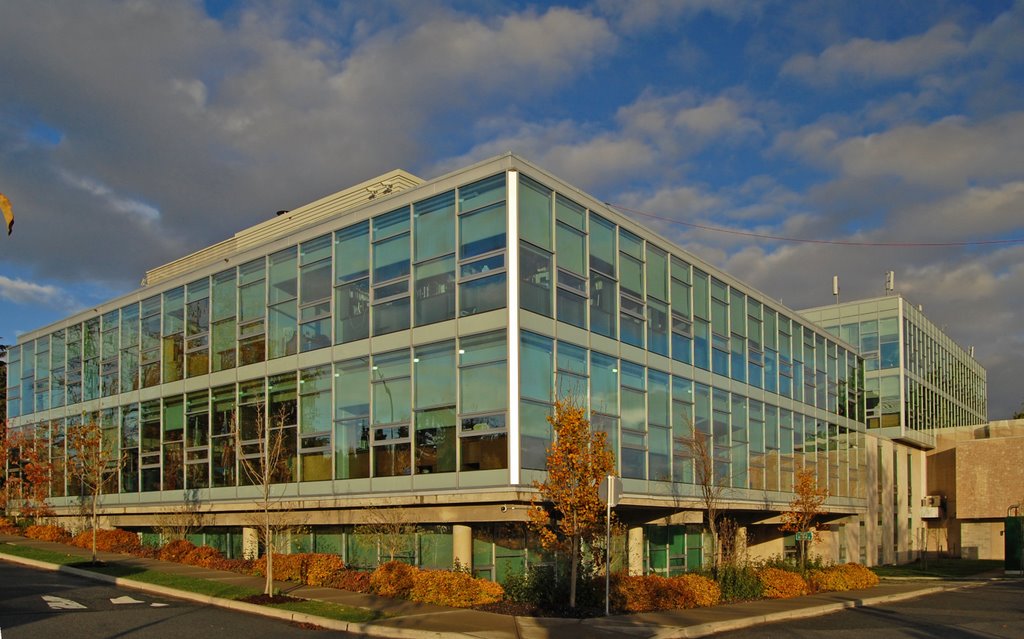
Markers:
point(805, 536)
point(616, 490)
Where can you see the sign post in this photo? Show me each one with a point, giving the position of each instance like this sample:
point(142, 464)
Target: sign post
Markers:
point(610, 491)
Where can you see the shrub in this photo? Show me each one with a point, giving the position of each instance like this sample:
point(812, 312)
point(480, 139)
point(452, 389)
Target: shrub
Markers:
point(692, 591)
point(644, 593)
point(351, 580)
point(393, 579)
point(739, 583)
point(48, 533)
point(286, 567)
point(321, 568)
point(454, 588)
point(8, 527)
point(113, 540)
point(540, 586)
point(176, 550)
point(204, 556)
point(536, 585)
point(781, 584)
point(840, 578)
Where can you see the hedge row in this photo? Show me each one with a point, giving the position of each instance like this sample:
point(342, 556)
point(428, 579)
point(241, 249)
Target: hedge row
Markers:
point(782, 584)
point(644, 593)
point(630, 593)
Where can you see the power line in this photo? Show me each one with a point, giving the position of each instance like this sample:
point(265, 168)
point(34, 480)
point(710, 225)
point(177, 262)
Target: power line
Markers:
point(783, 238)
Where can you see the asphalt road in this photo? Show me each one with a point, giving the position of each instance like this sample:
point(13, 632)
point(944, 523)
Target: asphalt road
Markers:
point(39, 604)
point(993, 610)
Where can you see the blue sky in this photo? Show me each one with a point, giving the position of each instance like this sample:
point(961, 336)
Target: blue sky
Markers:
point(132, 133)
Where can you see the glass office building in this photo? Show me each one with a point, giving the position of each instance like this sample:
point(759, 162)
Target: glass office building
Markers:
point(917, 378)
point(410, 337)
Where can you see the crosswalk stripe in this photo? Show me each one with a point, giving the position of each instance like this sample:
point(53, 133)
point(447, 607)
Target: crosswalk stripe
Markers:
point(60, 603)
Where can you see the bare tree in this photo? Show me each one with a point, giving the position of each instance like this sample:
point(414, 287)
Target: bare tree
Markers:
point(265, 457)
point(391, 531)
point(712, 487)
point(182, 520)
point(96, 464)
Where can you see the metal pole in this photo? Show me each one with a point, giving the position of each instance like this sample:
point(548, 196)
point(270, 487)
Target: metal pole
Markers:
point(608, 547)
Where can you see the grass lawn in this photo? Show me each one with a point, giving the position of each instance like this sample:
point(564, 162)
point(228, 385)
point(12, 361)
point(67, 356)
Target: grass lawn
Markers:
point(943, 568)
point(38, 555)
point(191, 584)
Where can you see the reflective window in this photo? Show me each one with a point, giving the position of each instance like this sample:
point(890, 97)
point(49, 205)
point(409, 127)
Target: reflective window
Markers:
point(282, 320)
point(536, 367)
point(534, 213)
point(252, 308)
point(535, 279)
point(173, 335)
point(352, 416)
point(435, 392)
point(391, 264)
point(483, 399)
point(315, 293)
point(352, 284)
point(602, 245)
point(434, 239)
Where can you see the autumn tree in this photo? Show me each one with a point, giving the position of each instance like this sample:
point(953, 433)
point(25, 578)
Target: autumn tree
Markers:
point(95, 462)
point(35, 471)
point(712, 486)
point(5, 485)
point(806, 506)
point(265, 458)
point(567, 512)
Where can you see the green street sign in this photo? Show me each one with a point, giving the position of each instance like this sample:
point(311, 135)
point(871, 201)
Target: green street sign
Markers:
point(805, 536)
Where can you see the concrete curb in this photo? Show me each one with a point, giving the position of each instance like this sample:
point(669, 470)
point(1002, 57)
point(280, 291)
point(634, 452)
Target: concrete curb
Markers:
point(374, 629)
point(231, 604)
point(714, 627)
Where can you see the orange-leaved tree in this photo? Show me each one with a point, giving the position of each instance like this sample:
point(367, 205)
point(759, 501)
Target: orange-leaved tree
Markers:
point(568, 511)
point(33, 448)
point(806, 506)
point(94, 461)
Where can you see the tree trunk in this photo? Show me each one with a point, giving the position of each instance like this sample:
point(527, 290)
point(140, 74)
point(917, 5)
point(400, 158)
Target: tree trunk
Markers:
point(572, 573)
point(269, 537)
point(95, 505)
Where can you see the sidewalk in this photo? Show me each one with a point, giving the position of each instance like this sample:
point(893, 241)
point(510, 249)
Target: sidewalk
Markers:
point(405, 619)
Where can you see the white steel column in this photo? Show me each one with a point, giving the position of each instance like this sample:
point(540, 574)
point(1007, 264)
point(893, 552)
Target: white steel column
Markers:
point(512, 251)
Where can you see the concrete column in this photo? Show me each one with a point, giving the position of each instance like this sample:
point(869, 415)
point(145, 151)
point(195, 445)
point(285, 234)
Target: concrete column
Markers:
point(740, 543)
point(888, 475)
point(635, 550)
point(870, 530)
point(901, 507)
point(851, 539)
point(250, 543)
point(462, 546)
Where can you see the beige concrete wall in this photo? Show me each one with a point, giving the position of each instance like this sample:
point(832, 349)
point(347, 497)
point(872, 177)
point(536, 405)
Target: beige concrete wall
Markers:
point(989, 477)
point(982, 540)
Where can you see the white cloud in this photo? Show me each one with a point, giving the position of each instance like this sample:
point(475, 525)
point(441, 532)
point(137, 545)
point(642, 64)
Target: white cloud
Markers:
point(18, 291)
point(874, 60)
point(115, 202)
point(686, 120)
point(211, 126)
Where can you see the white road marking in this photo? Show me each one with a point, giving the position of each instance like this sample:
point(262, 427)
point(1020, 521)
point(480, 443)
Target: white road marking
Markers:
point(125, 600)
point(158, 605)
point(59, 603)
